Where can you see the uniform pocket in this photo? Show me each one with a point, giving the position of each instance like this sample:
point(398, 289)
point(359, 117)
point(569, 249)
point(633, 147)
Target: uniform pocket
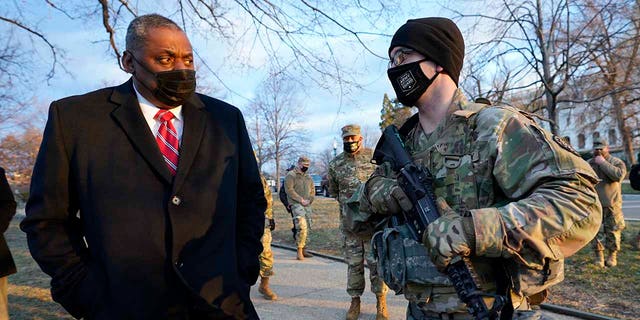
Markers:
point(404, 262)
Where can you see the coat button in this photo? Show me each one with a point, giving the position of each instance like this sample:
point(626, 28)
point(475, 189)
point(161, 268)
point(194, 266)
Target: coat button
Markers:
point(176, 200)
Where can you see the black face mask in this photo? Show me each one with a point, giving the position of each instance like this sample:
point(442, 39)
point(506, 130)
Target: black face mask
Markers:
point(350, 147)
point(409, 82)
point(174, 86)
point(304, 169)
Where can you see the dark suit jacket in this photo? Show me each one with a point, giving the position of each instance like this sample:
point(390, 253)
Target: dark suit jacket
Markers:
point(142, 237)
point(7, 211)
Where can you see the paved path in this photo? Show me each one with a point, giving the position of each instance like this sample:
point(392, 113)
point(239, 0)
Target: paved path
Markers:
point(314, 289)
point(631, 206)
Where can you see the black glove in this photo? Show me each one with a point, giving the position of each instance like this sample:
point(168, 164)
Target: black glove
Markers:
point(272, 224)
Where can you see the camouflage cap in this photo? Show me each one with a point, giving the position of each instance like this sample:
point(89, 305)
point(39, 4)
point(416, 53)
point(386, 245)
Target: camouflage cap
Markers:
point(350, 130)
point(304, 161)
point(599, 143)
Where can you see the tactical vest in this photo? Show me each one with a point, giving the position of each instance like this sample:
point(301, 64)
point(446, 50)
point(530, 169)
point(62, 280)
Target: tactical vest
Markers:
point(463, 177)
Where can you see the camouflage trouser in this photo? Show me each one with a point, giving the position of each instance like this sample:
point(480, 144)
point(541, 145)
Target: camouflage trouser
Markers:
point(610, 231)
point(266, 257)
point(355, 252)
point(302, 222)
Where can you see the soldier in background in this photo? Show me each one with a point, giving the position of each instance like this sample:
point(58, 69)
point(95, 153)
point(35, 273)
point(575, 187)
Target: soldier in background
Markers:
point(611, 172)
point(346, 172)
point(266, 257)
point(300, 194)
point(282, 194)
point(509, 193)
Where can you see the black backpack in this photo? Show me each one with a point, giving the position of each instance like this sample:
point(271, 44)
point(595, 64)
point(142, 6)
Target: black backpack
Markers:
point(283, 197)
point(634, 176)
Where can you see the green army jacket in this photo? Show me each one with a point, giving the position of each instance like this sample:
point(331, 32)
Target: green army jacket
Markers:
point(531, 197)
point(611, 174)
point(298, 186)
point(347, 171)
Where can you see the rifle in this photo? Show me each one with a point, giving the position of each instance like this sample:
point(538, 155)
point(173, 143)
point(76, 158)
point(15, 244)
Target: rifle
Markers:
point(416, 182)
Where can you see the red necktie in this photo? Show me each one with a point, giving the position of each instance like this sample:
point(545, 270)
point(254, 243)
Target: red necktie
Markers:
point(167, 139)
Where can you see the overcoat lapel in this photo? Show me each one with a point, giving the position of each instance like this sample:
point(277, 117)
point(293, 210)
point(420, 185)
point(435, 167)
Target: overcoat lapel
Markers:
point(195, 120)
point(132, 122)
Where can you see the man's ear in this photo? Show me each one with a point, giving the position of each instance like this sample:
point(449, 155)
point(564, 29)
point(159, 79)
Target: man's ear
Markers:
point(127, 62)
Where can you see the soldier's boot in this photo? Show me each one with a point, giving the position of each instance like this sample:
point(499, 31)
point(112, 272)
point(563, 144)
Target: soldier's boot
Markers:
point(381, 307)
point(265, 290)
point(612, 259)
point(599, 260)
point(354, 309)
point(300, 254)
point(306, 253)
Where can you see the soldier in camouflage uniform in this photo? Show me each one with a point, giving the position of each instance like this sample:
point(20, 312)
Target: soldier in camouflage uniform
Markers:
point(513, 198)
point(346, 172)
point(300, 194)
point(611, 172)
point(266, 257)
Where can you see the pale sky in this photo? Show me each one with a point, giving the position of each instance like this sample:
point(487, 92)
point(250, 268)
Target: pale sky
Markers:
point(91, 65)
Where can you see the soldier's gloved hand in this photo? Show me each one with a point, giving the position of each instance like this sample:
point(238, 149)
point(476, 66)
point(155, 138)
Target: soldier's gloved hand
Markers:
point(272, 224)
point(449, 236)
point(386, 197)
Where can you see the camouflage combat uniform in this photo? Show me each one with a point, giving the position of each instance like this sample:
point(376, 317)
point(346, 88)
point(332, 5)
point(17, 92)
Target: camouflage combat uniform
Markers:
point(609, 190)
point(531, 198)
point(266, 257)
point(346, 172)
point(298, 186)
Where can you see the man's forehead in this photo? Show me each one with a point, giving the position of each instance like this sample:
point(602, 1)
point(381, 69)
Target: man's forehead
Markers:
point(167, 38)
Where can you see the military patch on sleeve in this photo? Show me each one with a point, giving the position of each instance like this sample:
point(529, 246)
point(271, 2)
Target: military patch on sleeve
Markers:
point(565, 145)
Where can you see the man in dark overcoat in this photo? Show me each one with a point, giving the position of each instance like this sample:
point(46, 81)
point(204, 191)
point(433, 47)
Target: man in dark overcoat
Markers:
point(146, 201)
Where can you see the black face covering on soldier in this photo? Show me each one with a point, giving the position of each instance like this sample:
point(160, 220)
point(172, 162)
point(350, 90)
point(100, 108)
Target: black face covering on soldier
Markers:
point(409, 82)
point(304, 169)
point(350, 147)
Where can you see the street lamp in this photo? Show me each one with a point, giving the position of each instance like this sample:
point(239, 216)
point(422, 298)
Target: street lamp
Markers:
point(335, 147)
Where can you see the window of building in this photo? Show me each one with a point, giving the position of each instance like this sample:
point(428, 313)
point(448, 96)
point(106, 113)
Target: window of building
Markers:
point(613, 138)
point(581, 141)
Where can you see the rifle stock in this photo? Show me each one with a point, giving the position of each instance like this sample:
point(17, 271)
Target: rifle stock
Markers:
point(417, 183)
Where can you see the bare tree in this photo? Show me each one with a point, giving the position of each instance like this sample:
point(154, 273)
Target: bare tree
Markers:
point(616, 66)
point(494, 86)
point(18, 155)
point(297, 36)
point(278, 103)
point(321, 161)
point(545, 43)
point(371, 135)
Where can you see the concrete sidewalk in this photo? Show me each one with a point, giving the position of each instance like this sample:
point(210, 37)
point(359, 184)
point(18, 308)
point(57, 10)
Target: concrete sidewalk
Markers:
point(314, 289)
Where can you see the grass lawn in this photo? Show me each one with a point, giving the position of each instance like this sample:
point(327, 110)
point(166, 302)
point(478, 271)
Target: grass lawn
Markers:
point(29, 295)
point(612, 291)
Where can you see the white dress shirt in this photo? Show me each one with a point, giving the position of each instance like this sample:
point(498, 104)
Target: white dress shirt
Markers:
point(149, 111)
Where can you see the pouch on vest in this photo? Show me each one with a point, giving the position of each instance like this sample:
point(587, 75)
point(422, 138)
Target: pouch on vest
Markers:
point(530, 281)
point(403, 261)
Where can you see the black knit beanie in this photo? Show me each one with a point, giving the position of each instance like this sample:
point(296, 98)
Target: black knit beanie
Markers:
point(438, 39)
